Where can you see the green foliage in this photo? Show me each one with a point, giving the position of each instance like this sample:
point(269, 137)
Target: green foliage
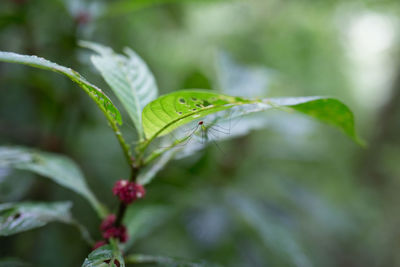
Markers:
point(107, 253)
point(142, 220)
point(170, 111)
point(60, 169)
point(328, 110)
point(102, 101)
point(129, 77)
point(20, 217)
point(151, 170)
point(275, 236)
point(165, 261)
point(135, 86)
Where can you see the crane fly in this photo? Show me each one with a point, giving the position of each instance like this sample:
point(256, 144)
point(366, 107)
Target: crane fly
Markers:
point(204, 131)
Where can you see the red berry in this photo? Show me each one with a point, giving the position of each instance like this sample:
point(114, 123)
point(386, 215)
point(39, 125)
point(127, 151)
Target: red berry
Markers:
point(116, 232)
point(140, 191)
point(108, 222)
point(110, 230)
point(128, 192)
point(123, 234)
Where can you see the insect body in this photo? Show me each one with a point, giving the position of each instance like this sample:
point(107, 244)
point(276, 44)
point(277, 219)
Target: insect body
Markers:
point(206, 132)
point(201, 133)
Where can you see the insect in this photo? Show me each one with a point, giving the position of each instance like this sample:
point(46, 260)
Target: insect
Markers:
point(198, 136)
point(209, 129)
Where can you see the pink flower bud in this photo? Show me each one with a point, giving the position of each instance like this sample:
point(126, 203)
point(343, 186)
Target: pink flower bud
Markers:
point(127, 191)
point(107, 222)
point(110, 230)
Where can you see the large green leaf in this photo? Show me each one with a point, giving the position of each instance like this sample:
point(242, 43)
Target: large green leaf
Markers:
point(170, 111)
point(19, 217)
point(106, 255)
point(95, 93)
point(129, 77)
point(60, 169)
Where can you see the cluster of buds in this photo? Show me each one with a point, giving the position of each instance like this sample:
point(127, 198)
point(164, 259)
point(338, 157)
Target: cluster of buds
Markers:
point(109, 230)
point(127, 191)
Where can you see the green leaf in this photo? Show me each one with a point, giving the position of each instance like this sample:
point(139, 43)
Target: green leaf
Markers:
point(95, 93)
point(141, 220)
point(170, 111)
point(150, 171)
point(165, 261)
point(129, 77)
point(106, 255)
point(19, 217)
point(327, 110)
point(275, 235)
point(60, 169)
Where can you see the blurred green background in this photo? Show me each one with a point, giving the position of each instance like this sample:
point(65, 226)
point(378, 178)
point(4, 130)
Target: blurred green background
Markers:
point(295, 193)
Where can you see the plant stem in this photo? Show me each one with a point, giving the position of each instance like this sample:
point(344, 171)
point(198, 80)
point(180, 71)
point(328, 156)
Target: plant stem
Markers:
point(125, 147)
point(120, 213)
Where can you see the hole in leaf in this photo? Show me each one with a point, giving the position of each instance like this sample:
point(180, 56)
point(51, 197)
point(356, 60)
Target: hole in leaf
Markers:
point(194, 99)
point(206, 103)
point(182, 100)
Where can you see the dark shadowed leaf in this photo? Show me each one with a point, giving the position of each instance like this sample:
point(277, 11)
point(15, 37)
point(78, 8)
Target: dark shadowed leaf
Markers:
point(19, 217)
point(60, 169)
